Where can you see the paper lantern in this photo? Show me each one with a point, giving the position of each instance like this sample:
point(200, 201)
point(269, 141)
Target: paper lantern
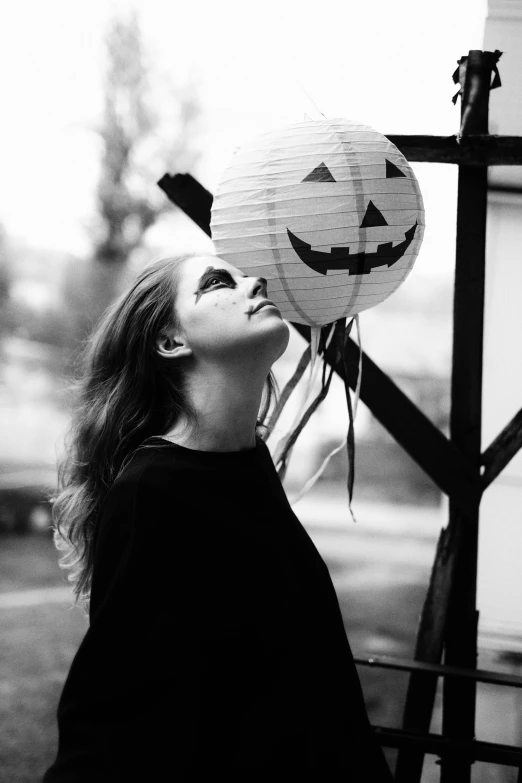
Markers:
point(328, 211)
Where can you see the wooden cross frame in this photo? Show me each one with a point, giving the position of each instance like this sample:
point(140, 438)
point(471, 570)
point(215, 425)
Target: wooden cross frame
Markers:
point(449, 618)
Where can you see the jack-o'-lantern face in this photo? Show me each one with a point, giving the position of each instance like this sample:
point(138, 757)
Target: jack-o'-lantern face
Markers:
point(362, 262)
point(329, 212)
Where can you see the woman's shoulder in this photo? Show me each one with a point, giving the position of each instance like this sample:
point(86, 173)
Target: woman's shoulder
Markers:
point(151, 468)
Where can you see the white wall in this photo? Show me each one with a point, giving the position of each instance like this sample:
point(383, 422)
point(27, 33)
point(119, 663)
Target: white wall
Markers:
point(500, 543)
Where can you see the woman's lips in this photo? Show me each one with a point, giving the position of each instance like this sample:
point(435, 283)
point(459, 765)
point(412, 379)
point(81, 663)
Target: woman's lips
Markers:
point(265, 303)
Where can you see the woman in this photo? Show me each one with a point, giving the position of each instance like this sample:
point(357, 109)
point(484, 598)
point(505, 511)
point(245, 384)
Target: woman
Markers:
point(216, 648)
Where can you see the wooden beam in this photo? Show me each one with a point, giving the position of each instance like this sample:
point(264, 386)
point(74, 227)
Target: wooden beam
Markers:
point(502, 450)
point(422, 686)
point(439, 745)
point(441, 670)
point(473, 149)
point(418, 436)
point(190, 196)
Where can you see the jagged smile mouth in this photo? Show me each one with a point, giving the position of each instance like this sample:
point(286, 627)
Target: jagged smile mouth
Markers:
point(354, 264)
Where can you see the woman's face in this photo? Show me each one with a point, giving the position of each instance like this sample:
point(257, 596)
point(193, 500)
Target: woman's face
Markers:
point(216, 307)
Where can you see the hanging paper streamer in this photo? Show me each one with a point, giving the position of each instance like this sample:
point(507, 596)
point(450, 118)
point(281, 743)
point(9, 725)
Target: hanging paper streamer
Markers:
point(351, 432)
point(287, 443)
point(351, 447)
point(315, 334)
point(288, 389)
point(314, 365)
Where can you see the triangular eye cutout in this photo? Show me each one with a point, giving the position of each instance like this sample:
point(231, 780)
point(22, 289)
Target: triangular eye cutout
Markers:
point(392, 170)
point(373, 217)
point(321, 173)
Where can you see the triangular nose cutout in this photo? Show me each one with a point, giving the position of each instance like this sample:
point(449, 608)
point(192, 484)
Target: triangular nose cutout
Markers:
point(373, 217)
point(321, 173)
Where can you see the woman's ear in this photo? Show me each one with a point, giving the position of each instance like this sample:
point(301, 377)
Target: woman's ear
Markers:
point(171, 345)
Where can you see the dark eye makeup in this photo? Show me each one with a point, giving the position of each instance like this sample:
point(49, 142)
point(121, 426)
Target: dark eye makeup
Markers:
point(217, 274)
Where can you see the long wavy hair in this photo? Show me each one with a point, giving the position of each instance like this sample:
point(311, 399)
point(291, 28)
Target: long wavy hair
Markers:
point(124, 392)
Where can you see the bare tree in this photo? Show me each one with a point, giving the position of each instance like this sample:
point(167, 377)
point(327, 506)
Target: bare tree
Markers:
point(149, 125)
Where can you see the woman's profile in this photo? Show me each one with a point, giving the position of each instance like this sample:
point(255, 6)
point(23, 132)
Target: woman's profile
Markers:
point(215, 649)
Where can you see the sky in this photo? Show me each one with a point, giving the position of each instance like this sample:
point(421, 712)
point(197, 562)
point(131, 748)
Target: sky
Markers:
point(259, 66)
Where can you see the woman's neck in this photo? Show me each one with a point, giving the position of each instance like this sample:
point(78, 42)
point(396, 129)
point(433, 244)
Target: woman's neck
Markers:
point(226, 405)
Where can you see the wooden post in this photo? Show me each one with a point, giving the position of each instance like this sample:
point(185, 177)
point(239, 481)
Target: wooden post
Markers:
point(422, 687)
point(449, 616)
point(466, 414)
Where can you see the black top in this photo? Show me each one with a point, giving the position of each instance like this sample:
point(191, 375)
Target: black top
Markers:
point(216, 647)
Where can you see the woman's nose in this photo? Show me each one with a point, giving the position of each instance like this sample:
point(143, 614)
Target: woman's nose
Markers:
point(259, 286)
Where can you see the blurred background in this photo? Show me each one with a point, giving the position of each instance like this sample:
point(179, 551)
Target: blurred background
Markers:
point(99, 101)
